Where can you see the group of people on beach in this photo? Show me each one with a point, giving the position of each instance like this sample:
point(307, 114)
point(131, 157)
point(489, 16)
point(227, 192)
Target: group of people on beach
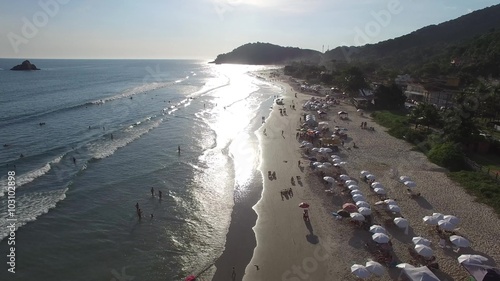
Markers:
point(286, 193)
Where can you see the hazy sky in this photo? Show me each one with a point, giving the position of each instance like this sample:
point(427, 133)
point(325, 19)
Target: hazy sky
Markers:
point(205, 28)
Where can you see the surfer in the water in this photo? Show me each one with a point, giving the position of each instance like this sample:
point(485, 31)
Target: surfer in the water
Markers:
point(74, 160)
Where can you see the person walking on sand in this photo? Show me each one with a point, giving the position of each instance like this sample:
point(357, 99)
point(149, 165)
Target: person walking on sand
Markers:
point(159, 194)
point(152, 191)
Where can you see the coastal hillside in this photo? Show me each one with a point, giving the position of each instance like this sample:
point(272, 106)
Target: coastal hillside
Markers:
point(265, 53)
point(423, 44)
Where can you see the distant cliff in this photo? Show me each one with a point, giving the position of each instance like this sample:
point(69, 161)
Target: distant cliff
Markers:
point(26, 65)
point(265, 53)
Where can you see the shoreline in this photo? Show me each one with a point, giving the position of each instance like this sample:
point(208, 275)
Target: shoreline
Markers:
point(240, 238)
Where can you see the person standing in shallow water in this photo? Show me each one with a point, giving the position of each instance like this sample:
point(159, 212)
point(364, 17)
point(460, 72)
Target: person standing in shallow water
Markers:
point(152, 191)
point(159, 194)
point(179, 149)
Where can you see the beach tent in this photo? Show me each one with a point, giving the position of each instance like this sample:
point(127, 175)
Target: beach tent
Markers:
point(420, 274)
point(482, 272)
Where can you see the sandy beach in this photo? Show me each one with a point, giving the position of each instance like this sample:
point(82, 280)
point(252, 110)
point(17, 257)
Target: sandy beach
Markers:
point(325, 248)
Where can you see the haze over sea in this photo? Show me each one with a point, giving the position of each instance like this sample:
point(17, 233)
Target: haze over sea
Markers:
point(122, 121)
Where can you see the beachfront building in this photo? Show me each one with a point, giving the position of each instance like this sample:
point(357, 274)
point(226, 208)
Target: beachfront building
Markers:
point(437, 92)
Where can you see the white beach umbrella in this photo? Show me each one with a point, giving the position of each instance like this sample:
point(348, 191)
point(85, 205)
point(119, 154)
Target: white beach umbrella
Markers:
point(410, 184)
point(362, 204)
point(317, 163)
point(364, 173)
point(357, 217)
point(327, 164)
point(329, 179)
point(420, 240)
point(446, 225)
point(350, 182)
point(439, 216)
point(375, 268)
point(335, 156)
point(459, 241)
point(365, 211)
point(404, 178)
point(394, 208)
point(341, 163)
point(356, 191)
point(321, 167)
point(358, 197)
point(381, 238)
point(336, 160)
point(430, 220)
point(344, 177)
point(370, 177)
point(306, 144)
point(325, 150)
point(377, 229)
point(401, 222)
point(424, 251)
point(380, 191)
point(474, 259)
point(404, 265)
point(454, 220)
point(376, 185)
point(390, 202)
point(360, 271)
point(352, 187)
point(315, 149)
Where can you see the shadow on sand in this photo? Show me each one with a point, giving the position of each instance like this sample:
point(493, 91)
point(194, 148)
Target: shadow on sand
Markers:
point(311, 237)
point(422, 202)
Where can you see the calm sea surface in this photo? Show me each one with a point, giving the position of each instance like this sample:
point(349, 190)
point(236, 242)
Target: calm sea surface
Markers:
point(111, 132)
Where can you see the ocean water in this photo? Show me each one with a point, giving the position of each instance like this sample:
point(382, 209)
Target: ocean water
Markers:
point(111, 130)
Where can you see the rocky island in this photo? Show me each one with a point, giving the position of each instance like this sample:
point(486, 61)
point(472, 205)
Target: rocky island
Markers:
point(267, 54)
point(26, 65)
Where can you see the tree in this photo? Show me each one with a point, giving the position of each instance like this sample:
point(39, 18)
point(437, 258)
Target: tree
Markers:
point(459, 124)
point(448, 155)
point(389, 97)
point(426, 115)
point(354, 79)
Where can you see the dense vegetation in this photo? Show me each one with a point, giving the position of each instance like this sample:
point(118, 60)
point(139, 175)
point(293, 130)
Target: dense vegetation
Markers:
point(265, 53)
point(470, 41)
